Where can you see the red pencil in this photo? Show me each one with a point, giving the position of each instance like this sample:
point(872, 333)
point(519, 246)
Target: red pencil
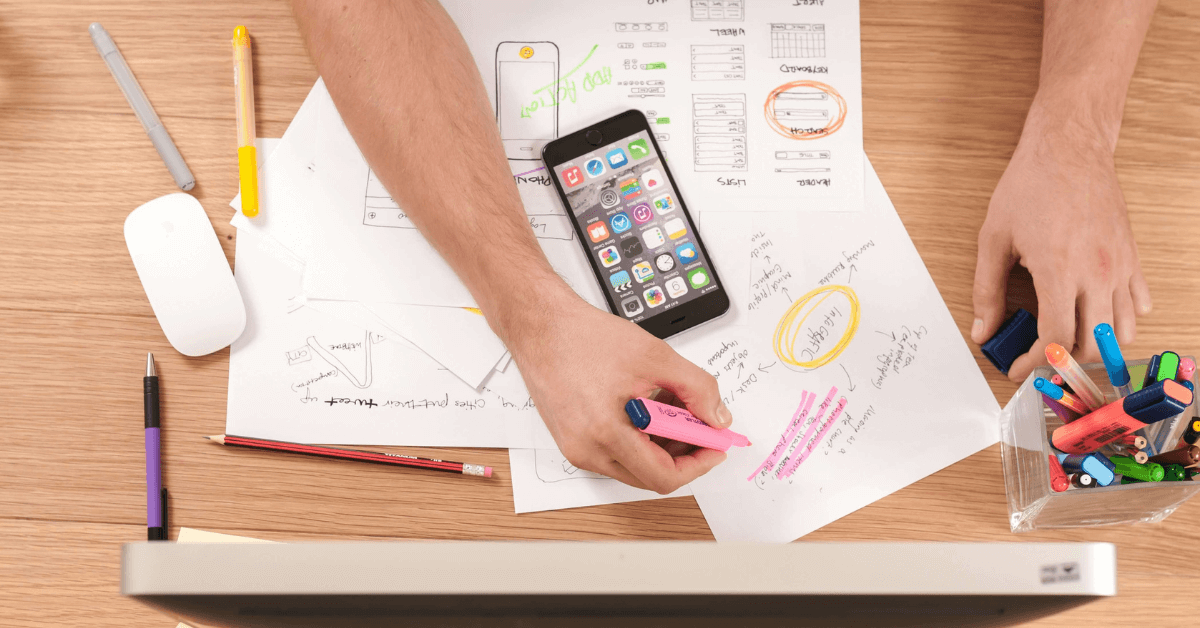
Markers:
point(399, 460)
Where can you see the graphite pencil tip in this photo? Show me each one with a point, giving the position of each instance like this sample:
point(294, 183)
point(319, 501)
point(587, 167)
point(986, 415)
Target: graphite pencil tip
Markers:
point(150, 371)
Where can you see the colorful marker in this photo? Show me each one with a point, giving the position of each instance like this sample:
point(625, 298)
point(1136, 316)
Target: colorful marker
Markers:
point(1175, 473)
point(1071, 402)
point(1151, 371)
point(1128, 467)
point(1192, 434)
point(1059, 481)
point(1096, 465)
point(1083, 480)
point(1168, 366)
point(1187, 368)
point(1057, 380)
point(1061, 411)
point(678, 424)
point(1187, 456)
point(1114, 362)
point(1162, 400)
point(1074, 375)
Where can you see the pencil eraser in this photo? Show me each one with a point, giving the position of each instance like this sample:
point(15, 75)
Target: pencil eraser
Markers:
point(487, 472)
point(1014, 338)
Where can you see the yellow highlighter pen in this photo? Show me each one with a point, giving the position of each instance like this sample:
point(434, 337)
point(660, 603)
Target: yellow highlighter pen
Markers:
point(243, 85)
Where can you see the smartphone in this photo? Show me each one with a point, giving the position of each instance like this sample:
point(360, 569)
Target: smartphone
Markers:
point(634, 225)
point(526, 96)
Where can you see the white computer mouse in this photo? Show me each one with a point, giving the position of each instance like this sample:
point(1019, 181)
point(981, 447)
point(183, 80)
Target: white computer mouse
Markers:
point(185, 275)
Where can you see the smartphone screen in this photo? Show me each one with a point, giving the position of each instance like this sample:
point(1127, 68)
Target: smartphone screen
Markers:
point(639, 237)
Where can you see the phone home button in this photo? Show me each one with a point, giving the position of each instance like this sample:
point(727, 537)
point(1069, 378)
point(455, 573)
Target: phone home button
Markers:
point(594, 137)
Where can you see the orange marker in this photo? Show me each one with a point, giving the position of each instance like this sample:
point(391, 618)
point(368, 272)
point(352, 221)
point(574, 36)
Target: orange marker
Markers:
point(1074, 376)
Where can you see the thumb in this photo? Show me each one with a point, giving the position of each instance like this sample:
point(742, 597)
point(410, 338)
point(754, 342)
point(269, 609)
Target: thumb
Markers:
point(696, 388)
point(994, 263)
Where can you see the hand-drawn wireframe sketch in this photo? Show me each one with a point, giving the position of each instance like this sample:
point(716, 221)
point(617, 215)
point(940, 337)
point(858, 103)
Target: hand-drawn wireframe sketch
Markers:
point(718, 10)
point(719, 132)
point(718, 62)
point(790, 41)
point(641, 27)
point(803, 169)
point(526, 119)
point(304, 354)
point(805, 110)
point(379, 210)
point(551, 466)
point(803, 154)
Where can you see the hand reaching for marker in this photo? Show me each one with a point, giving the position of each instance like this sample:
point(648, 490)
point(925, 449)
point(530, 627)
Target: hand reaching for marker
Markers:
point(1059, 212)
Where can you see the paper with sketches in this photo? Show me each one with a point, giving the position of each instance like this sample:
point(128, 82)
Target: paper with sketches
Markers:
point(841, 364)
point(365, 248)
point(746, 98)
point(459, 340)
point(543, 479)
point(299, 375)
point(696, 70)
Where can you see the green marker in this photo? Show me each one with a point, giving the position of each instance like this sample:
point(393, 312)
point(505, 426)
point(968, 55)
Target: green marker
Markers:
point(1168, 365)
point(1128, 467)
point(1175, 473)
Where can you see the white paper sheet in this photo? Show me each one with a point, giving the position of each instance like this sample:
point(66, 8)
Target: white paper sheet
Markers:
point(299, 375)
point(543, 479)
point(881, 390)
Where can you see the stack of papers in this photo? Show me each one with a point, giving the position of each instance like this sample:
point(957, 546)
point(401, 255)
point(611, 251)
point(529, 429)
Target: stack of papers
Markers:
point(359, 333)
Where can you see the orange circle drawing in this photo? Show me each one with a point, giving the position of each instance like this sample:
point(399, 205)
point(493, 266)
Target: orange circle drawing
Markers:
point(782, 101)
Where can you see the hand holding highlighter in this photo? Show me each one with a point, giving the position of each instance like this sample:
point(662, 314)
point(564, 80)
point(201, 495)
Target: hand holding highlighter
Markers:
point(678, 424)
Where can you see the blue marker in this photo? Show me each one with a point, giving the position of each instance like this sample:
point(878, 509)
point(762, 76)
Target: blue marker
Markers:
point(1094, 464)
point(1114, 362)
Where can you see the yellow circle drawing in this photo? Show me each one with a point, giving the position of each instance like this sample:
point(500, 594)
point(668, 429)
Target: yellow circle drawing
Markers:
point(526, 52)
point(790, 326)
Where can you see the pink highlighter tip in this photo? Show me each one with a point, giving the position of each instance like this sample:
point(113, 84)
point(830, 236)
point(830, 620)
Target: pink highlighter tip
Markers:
point(487, 472)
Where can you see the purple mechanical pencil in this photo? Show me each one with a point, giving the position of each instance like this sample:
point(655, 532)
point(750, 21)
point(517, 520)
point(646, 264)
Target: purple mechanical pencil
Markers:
point(156, 495)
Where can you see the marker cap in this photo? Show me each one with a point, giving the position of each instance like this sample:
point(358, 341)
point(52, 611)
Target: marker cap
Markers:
point(1110, 352)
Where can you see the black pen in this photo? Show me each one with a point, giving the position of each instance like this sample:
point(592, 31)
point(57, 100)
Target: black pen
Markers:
point(156, 495)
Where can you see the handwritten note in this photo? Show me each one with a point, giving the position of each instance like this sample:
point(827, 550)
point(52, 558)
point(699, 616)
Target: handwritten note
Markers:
point(833, 370)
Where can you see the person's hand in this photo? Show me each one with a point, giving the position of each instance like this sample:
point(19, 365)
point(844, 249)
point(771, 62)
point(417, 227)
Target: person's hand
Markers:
point(581, 366)
point(1059, 212)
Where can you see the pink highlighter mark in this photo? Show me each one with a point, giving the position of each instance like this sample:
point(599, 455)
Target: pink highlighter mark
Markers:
point(806, 401)
point(820, 435)
point(791, 465)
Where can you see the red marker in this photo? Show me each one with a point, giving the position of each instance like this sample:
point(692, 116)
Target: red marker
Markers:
point(1058, 478)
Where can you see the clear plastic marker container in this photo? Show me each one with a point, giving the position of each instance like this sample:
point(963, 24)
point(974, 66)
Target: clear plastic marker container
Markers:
point(1025, 427)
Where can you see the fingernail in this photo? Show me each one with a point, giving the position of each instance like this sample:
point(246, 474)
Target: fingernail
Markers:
point(977, 330)
point(724, 417)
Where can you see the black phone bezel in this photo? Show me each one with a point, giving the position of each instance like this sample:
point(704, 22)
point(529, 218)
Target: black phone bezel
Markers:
point(569, 147)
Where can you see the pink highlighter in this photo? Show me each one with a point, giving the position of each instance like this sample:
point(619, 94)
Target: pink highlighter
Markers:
point(678, 424)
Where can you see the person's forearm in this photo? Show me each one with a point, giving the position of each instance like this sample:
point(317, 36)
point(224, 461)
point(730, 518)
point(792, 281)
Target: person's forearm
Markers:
point(1089, 51)
point(410, 94)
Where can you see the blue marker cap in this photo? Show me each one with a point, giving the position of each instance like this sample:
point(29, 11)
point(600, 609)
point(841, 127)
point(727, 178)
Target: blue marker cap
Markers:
point(638, 413)
point(1013, 339)
point(1094, 464)
point(1048, 388)
point(1110, 352)
point(1155, 403)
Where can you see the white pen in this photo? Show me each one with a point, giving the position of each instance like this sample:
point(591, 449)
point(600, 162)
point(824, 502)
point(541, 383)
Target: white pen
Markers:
point(141, 107)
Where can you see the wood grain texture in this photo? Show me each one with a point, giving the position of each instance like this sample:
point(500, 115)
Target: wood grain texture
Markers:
point(946, 85)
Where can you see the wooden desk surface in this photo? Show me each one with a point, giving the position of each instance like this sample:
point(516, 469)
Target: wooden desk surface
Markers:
point(946, 86)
